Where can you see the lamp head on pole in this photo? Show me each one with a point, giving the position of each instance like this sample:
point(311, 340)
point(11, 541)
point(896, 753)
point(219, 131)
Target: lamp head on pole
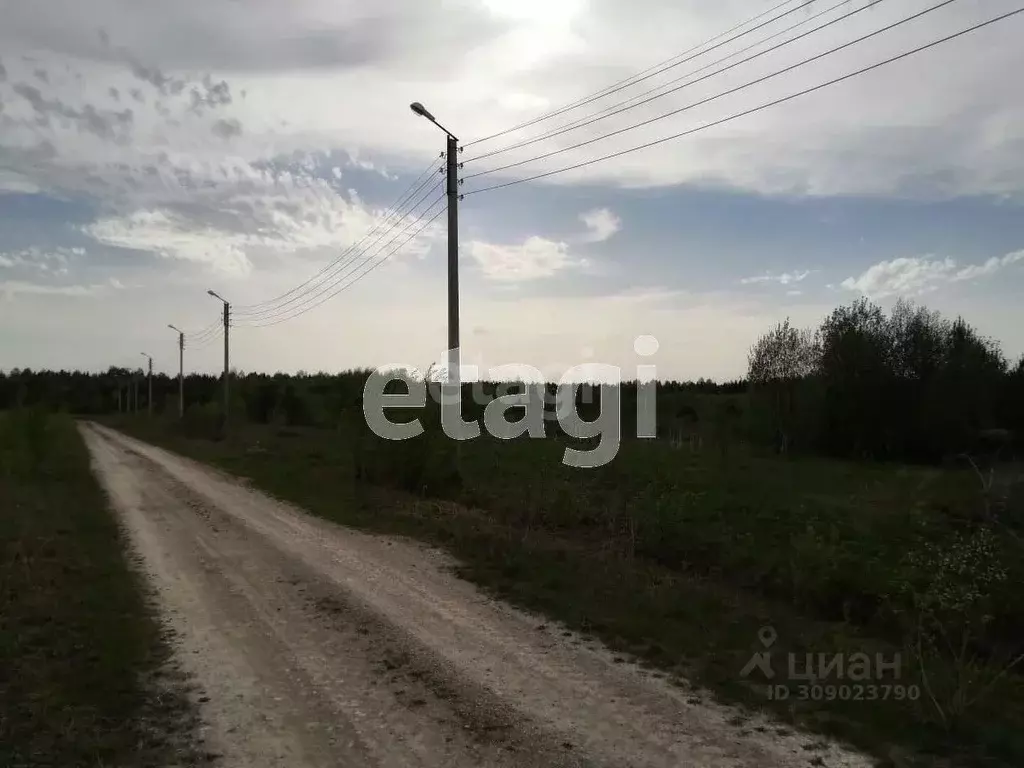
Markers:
point(422, 111)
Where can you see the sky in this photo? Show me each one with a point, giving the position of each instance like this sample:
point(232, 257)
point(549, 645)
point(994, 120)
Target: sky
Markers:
point(152, 151)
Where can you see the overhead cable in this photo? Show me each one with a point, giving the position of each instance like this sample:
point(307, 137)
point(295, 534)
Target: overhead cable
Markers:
point(752, 110)
point(624, 106)
point(653, 71)
point(716, 96)
point(327, 284)
point(418, 184)
point(360, 276)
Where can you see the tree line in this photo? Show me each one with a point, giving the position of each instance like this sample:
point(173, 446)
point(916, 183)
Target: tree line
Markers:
point(909, 385)
point(301, 399)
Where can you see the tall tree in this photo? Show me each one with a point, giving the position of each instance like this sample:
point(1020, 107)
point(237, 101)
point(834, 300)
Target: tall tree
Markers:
point(776, 365)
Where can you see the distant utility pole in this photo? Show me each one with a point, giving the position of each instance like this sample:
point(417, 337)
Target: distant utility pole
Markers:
point(227, 369)
point(135, 386)
point(149, 399)
point(181, 372)
point(452, 175)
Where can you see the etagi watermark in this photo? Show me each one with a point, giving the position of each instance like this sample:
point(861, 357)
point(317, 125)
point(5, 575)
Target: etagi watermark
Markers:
point(829, 676)
point(530, 402)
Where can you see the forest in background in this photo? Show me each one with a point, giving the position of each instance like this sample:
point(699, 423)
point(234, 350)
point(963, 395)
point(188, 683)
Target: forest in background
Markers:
point(909, 385)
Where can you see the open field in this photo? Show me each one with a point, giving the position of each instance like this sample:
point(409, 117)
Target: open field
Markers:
point(681, 557)
point(83, 673)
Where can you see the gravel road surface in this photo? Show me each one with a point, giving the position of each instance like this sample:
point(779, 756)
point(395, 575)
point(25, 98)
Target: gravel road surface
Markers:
point(314, 645)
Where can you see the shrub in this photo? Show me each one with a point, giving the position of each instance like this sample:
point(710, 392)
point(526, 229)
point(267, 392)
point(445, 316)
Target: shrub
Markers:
point(426, 464)
point(203, 421)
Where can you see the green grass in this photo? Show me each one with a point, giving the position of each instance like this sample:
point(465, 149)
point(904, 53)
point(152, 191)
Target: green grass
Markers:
point(83, 679)
point(681, 558)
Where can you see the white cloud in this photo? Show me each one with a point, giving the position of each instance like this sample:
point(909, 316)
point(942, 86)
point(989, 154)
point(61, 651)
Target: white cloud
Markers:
point(902, 276)
point(918, 275)
point(784, 278)
point(902, 129)
point(170, 236)
point(539, 257)
point(534, 258)
point(229, 214)
point(601, 224)
point(994, 264)
point(11, 288)
point(54, 260)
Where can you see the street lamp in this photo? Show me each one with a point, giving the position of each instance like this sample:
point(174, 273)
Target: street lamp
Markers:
point(452, 169)
point(227, 318)
point(149, 402)
point(181, 370)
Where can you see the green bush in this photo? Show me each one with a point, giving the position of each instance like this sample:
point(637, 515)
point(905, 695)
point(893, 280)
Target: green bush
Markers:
point(204, 421)
point(426, 464)
point(24, 441)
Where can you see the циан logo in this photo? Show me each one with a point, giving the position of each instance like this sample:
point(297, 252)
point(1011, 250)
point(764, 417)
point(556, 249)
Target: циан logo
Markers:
point(762, 660)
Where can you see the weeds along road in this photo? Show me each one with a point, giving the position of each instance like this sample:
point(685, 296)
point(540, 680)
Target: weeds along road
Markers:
point(314, 645)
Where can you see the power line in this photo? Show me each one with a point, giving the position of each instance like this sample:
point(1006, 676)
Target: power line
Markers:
point(350, 253)
point(324, 286)
point(389, 212)
point(744, 113)
point(653, 71)
point(358, 277)
point(209, 340)
point(201, 335)
point(275, 303)
point(709, 99)
point(615, 108)
point(364, 274)
point(306, 306)
point(203, 332)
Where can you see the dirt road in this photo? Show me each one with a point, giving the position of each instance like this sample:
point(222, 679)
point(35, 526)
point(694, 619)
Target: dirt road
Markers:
point(314, 645)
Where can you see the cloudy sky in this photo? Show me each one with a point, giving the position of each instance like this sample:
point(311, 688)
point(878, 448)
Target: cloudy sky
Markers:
point(150, 151)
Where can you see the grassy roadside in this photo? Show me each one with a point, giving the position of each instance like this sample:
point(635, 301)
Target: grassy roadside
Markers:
point(530, 533)
point(83, 679)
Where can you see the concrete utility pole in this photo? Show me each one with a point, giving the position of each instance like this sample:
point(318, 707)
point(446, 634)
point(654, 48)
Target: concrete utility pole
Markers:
point(227, 369)
point(452, 175)
point(181, 372)
point(135, 385)
point(149, 398)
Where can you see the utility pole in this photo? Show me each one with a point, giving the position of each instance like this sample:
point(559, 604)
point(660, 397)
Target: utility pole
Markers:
point(135, 384)
point(149, 398)
point(452, 177)
point(454, 356)
point(181, 372)
point(227, 369)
